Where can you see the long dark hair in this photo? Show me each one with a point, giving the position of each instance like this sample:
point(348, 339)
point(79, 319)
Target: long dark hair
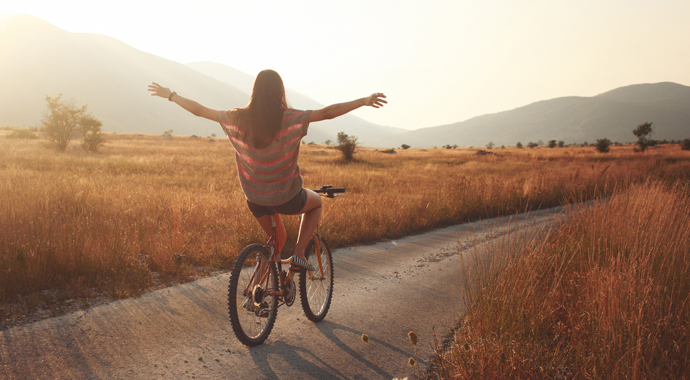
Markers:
point(260, 120)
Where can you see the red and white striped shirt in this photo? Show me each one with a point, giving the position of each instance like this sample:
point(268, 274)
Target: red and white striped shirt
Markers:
point(269, 176)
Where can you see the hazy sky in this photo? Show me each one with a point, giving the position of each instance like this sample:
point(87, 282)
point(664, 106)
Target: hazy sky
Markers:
point(439, 62)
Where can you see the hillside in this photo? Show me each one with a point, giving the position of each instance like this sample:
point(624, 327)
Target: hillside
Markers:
point(39, 59)
point(613, 115)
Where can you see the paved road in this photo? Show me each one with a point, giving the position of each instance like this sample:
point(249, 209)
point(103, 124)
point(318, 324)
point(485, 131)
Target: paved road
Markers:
point(383, 290)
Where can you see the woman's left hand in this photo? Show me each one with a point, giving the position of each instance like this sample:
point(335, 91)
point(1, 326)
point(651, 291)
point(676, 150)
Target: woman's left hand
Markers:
point(375, 100)
point(158, 90)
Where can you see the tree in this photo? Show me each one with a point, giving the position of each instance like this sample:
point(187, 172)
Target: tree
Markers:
point(490, 145)
point(519, 145)
point(532, 145)
point(90, 128)
point(404, 146)
point(61, 121)
point(643, 132)
point(552, 143)
point(602, 145)
point(327, 142)
point(561, 143)
point(167, 135)
point(347, 145)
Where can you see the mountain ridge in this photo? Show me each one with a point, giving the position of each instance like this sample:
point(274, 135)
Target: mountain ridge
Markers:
point(612, 114)
point(112, 77)
point(39, 59)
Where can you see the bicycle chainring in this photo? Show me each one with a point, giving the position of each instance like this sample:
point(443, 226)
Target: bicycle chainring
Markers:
point(289, 293)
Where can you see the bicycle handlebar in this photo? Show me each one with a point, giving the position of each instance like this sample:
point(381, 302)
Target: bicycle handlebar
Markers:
point(329, 191)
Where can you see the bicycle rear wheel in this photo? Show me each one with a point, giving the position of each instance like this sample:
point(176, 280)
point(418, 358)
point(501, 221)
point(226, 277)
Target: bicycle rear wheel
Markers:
point(316, 290)
point(252, 309)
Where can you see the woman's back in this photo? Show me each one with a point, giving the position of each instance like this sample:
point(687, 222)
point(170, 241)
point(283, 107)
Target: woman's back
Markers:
point(268, 175)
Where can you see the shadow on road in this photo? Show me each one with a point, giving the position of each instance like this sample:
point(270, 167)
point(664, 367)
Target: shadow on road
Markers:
point(308, 363)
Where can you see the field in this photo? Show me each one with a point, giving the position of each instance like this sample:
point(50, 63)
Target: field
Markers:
point(605, 296)
point(146, 212)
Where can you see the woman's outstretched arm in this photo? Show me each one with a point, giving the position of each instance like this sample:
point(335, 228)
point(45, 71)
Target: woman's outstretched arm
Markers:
point(374, 100)
point(188, 104)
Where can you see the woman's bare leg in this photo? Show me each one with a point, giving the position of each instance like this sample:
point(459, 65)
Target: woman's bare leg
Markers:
point(281, 236)
point(311, 212)
point(265, 222)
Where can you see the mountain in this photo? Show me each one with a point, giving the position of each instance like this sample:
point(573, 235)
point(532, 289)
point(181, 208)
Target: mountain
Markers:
point(613, 114)
point(349, 123)
point(39, 59)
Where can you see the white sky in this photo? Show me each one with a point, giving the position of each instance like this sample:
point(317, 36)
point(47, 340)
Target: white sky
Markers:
point(438, 62)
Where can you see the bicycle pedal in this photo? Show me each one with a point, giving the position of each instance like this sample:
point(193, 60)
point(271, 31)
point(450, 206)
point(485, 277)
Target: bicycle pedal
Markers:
point(263, 313)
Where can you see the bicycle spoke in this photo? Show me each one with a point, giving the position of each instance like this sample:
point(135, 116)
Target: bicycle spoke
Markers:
point(252, 308)
point(316, 291)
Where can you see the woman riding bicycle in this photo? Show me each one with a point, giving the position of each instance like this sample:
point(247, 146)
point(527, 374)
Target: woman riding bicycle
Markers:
point(266, 135)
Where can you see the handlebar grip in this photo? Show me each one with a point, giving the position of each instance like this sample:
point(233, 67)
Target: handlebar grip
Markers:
point(329, 191)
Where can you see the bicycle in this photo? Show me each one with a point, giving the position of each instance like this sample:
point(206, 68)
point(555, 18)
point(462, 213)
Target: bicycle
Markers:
point(259, 285)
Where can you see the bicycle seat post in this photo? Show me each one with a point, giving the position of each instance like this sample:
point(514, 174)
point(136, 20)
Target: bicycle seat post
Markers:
point(274, 230)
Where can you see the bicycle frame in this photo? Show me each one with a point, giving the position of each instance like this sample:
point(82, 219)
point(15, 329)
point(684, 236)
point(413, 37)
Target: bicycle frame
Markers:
point(272, 245)
point(254, 295)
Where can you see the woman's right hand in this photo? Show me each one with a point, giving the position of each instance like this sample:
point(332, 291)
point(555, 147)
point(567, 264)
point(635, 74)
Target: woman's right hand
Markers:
point(158, 90)
point(375, 100)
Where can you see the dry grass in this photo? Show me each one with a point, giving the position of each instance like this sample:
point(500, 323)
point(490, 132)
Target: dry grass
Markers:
point(606, 296)
point(147, 211)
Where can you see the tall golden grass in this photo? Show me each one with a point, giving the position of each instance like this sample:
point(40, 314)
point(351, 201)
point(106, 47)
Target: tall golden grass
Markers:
point(146, 211)
point(605, 296)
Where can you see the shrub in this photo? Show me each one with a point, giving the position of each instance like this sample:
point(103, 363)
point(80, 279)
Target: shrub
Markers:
point(90, 128)
point(561, 143)
point(643, 132)
point(404, 146)
point(602, 145)
point(61, 121)
point(347, 145)
point(552, 143)
point(685, 144)
point(519, 145)
point(532, 145)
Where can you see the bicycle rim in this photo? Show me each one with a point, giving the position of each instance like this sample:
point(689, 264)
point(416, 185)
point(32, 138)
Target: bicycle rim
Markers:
point(252, 314)
point(316, 291)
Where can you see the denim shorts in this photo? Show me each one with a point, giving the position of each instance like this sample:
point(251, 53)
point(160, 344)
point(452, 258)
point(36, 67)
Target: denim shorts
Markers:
point(293, 206)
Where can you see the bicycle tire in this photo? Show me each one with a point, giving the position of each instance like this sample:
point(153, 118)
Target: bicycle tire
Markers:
point(250, 328)
point(316, 293)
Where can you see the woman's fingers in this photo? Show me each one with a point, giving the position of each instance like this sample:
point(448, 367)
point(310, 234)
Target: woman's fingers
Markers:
point(376, 100)
point(157, 90)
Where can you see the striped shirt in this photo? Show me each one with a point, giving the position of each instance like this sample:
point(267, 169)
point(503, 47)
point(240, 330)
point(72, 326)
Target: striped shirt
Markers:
point(269, 176)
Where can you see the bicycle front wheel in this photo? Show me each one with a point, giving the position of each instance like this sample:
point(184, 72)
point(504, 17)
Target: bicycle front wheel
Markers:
point(252, 295)
point(316, 288)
